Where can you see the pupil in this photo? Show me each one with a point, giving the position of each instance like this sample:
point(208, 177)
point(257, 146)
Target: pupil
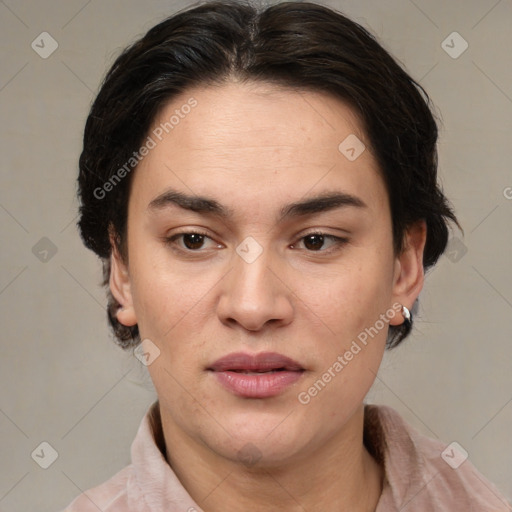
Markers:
point(318, 245)
point(193, 240)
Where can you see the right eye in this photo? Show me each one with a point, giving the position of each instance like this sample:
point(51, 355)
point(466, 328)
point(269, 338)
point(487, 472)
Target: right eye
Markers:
point(191, 241)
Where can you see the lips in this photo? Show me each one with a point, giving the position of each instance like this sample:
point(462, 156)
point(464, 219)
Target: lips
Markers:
point(262, 375)
point(263, 362)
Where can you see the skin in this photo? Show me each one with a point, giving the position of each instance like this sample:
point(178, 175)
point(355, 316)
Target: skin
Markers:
point(255, 148)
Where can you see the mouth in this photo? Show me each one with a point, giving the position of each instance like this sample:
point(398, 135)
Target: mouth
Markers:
point(262, 375)
point(263, 362)
point(258, 372)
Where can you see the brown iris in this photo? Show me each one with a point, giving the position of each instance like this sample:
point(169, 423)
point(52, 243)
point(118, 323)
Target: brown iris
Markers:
point(315, 241)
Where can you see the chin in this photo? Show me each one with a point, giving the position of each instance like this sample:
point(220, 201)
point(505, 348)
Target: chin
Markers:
point(258, 441)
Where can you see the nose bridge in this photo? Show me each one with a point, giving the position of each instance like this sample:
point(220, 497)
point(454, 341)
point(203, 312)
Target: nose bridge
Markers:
point(253, 294)
point(252, 266)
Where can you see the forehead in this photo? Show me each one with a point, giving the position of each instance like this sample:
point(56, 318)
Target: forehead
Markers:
point(233, 115)
point(256, 142)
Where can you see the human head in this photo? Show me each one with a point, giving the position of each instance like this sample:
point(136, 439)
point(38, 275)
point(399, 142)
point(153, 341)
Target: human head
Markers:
point(299, 45)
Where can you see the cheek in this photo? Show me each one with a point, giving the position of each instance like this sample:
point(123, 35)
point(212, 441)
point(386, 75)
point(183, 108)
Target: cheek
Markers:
point(165, 293)
point(352, 297)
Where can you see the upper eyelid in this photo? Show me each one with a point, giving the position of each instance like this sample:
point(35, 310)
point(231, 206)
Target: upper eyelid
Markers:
point(337, 239)
point(188, 232)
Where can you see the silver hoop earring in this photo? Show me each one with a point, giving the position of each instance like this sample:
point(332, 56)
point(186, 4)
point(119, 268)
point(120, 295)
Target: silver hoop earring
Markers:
point(407, 316)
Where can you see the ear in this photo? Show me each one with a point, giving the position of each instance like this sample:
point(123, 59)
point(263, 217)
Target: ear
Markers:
point(409, 275)
point(120, 286)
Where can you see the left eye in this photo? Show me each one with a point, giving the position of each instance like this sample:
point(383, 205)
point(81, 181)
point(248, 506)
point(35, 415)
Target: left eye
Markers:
point(315, 241)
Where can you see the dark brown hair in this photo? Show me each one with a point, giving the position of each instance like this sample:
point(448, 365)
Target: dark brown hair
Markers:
point(299, 45)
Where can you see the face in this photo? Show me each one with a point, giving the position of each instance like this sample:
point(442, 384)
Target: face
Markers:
point(268, 299)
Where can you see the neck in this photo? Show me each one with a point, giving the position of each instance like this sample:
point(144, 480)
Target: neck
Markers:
point(340, 476)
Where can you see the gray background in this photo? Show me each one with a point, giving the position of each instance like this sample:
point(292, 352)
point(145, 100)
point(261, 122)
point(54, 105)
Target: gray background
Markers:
point(62, 379)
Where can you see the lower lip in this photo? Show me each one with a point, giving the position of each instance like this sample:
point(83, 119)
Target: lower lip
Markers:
point(262, 385)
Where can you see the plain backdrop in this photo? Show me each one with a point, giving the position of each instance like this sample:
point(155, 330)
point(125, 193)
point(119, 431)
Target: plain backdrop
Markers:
point(64, 382)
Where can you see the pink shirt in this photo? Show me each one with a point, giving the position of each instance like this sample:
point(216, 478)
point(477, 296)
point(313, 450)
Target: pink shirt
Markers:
point(417, 476)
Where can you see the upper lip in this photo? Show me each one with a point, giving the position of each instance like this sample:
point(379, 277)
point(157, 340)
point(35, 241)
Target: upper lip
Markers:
point(264, 361)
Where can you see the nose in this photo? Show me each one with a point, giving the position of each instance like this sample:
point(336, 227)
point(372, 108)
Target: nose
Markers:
point(255, 294)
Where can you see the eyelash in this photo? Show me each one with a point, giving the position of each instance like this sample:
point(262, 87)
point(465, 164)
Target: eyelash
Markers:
point(339, 241)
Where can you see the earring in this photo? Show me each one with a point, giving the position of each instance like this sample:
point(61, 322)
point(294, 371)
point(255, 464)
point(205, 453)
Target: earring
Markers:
point(407, 317)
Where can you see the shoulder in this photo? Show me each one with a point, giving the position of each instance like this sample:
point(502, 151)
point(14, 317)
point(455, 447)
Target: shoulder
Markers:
point(123, 491)
point(109, 496)
point(426, 472)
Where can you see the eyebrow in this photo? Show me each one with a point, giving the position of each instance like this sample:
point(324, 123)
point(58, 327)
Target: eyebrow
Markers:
point(319, 203)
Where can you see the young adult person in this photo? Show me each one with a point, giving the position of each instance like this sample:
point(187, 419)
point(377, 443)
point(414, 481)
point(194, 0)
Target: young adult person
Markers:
point(261, 185)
